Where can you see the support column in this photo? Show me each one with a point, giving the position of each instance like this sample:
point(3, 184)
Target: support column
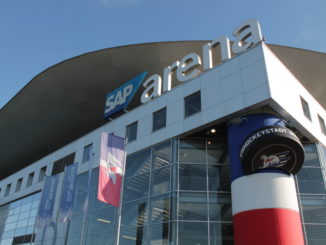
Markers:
point(264, 155)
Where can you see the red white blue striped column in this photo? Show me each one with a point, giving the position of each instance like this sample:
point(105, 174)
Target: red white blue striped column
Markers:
point(264, 202)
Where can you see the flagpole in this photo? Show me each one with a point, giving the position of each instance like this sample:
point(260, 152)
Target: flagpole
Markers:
point(118, 225)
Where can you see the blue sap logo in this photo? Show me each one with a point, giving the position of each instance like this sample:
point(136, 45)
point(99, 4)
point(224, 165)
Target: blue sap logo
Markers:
point(120, 98)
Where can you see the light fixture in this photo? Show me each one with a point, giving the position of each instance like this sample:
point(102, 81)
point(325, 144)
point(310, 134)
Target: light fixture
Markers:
point(129, 237)
point(213, 130)
point(103, 220)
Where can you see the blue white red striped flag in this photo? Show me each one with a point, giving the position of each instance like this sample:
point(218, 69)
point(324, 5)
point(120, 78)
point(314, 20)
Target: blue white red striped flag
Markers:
point(112, 161)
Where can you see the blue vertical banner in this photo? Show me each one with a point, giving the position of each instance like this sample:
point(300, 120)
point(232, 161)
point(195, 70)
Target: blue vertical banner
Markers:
point(68, 192)
point(45, 212)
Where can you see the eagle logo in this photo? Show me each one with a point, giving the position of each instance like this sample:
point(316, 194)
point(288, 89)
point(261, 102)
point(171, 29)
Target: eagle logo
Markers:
point(276, 160)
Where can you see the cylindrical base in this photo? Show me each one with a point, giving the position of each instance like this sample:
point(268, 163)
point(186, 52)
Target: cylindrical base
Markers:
point(268, 227)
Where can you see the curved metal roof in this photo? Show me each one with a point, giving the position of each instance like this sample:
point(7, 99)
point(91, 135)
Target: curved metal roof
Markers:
point(66, 101)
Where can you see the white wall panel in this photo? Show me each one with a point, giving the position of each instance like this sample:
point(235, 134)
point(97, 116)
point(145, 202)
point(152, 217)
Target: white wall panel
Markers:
point(256, 95)
point(175, 112)
point(211, 95)
point(230, 67)
point(253, 76)
point(231, 86)
point(286, 91)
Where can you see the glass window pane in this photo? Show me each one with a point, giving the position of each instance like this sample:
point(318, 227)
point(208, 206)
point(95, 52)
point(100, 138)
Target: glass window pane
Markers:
point(81, 184)
point(15, 204)
point(162, 155)
point(159, 234)
point(23, 215)
point(193, 233)
point(310, 180)
point(104, 238)
point(19, 184)
point(10, 226)
point(192, 151)
point(30, 179)
point(316, 234)
point(160, 181)
point(7, 190)
point(220, 207)
point(322, 124)
point(159, 119)
point(101, 220)
point(33, 212)
point(20, 231)
point(138, 163)
point(59, 165)
point(160, 209)
point(314, 209)
point(42, 174)
point(311, 156)
point(221, 234)
point(87, 154)
point(192, 104)
point(216, 152)
point(133, 236)
point(79, 202)
point(192, 177)
point(219, 178)
point(22, 223)
point(31, 221)
point(26, 207)
point(95, 174)
point(76, 225)
point(131, 132)
point(12, 218)
point(134, 213)
point(73, 240)
point(136, 187)
point(305, 108)
point(193, 206)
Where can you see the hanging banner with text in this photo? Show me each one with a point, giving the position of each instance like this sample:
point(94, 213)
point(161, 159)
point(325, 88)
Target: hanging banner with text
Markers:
point(45, 212)
point(68, 191)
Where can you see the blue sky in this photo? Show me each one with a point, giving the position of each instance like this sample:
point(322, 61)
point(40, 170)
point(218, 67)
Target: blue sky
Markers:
point(36, 34)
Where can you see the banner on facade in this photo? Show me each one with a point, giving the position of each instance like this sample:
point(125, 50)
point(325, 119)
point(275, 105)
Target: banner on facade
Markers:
point(112, 161)
point(68, 191)
point(45, 212)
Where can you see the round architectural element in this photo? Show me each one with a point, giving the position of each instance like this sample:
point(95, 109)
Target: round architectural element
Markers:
point(273, 147)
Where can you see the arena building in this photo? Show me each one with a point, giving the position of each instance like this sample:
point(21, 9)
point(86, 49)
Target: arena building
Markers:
point(194, 127)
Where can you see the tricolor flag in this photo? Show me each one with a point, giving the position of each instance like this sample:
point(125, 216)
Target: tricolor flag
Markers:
point(112, 161)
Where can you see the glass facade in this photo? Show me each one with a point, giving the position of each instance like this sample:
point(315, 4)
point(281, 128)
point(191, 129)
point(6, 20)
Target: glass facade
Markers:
point(312, 195)
point(17, 220)
point(176, 192)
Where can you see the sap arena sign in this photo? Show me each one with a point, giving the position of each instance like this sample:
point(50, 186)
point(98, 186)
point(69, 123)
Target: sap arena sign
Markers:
point(120, 98)
point(247, 34)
